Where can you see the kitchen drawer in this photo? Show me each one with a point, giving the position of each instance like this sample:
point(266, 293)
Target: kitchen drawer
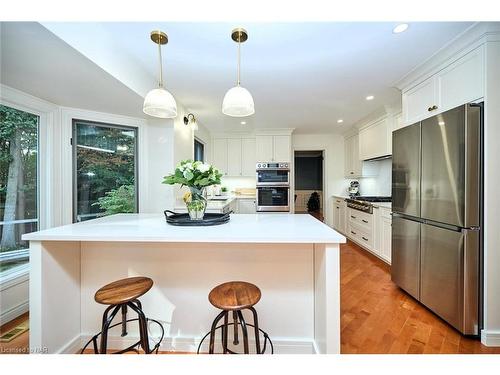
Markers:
point(360, 235)
point(361, 219)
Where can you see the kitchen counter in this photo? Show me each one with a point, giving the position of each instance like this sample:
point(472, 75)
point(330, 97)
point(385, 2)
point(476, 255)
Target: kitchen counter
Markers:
point(214, 205)
point(293, 259)
point(249, 228)
point(377, 204)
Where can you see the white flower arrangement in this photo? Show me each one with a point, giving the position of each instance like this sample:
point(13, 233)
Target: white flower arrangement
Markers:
point(194, 174)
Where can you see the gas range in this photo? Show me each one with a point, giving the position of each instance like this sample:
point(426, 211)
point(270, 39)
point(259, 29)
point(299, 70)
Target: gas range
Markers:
point(364, 203)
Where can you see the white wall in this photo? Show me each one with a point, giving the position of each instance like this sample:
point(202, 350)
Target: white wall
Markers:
point(238, 182)
point(491, 333)
point(379, 185)
point(160, 144)
point(333, 147)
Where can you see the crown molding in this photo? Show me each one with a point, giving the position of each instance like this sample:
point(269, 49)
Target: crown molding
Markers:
point(479, 33)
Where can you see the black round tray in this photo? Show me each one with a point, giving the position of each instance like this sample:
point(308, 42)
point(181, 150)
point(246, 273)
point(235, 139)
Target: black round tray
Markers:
point(184, 219)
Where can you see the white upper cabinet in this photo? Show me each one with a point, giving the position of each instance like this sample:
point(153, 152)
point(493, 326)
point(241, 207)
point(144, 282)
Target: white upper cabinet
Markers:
point(248, 157)
point(273, 148)
point(420, 101)
point(353, 167)
point(234, 157)
point(374, 140)
point(220, 154)
point(461, 82)
point(282, 148)
point(264, 147)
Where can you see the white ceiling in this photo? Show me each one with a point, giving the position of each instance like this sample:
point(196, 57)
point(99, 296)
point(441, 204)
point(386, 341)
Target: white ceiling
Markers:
point(37, 62)
point(301, 75)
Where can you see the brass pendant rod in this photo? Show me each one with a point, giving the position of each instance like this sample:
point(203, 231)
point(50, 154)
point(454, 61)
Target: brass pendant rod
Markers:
point(161, 69)
point(239, 60)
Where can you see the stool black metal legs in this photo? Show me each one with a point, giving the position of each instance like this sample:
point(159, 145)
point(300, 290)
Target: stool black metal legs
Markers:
point(238, 320)
point(235, 321)
point(212, 331)
point(108, 316)
point(106, 322)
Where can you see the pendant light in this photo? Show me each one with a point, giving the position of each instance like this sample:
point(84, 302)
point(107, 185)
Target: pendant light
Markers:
point(238, 101)
point(159, 102)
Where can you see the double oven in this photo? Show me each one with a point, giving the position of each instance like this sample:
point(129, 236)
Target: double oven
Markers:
point(273, 187)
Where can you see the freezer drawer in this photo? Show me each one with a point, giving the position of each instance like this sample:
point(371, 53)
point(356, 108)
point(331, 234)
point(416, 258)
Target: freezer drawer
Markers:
point(449, 275)
point(405, 260)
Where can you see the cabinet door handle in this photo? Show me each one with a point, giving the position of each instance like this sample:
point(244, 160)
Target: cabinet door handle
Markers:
point(433, 108)
point(354, 217)
point(366, 239)
point(352, 172)
point(337, 208)
point(353, 232)
point(365, 221)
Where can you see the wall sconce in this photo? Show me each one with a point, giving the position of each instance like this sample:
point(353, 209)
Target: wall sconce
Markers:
point(190, 119)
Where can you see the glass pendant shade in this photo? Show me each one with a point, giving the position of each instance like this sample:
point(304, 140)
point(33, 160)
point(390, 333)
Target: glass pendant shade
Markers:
point(160, 103)
point(238, 102)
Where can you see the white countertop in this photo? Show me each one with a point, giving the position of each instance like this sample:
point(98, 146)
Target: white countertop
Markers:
point(378, 204)
point(247, 228)
point(215, 204)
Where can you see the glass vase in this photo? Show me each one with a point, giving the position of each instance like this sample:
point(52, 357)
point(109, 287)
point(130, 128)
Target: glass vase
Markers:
point(198, 204)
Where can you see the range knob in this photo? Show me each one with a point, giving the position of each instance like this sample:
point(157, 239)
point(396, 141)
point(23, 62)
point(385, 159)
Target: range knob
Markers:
point(258, 165)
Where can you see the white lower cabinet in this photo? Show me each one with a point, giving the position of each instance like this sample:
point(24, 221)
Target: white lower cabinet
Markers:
point(246, 206)
point(371, 231)
point(339, 214)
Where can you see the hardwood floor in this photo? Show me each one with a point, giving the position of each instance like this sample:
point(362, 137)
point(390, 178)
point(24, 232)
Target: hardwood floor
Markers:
point(378, 317)
point(18, 345)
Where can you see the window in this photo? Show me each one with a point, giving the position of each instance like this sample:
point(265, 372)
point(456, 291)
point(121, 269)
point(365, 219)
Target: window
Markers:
point(105, 170)
point(199, 151)
point(18, 185)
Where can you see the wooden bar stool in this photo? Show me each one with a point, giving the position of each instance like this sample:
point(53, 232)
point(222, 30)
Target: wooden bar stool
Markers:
point(235, 296)
point(121, 295)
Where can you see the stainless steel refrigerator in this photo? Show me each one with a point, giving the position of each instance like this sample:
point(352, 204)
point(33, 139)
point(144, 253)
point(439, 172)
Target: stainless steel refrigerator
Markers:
point(437, 214)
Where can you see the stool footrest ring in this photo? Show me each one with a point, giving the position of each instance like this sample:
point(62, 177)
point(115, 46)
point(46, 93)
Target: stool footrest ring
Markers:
point(263, 350)
point(132, 347)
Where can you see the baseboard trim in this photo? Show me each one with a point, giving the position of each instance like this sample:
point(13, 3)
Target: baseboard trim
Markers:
point(190, 344)
point(72, 347)
point(490, 338)
point(14, 312)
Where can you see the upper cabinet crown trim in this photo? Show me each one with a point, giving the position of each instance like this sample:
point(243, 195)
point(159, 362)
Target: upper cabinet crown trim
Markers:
point(470, 39)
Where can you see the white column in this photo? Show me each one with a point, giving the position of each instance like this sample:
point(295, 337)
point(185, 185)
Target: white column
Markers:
point(54, 297)
point(327, 298)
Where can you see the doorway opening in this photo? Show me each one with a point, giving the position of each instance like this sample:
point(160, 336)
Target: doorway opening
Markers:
point(309, 189)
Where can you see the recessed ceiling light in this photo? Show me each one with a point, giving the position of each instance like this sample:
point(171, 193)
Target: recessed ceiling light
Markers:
point(243, 123)
point(340, 121)
point(400, 28)
point(370, 97)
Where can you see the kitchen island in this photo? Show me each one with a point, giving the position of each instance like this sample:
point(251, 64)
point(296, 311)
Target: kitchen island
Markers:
point(293, 259)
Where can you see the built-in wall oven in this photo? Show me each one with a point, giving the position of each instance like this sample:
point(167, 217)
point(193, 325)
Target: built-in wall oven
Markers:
point(273, 187)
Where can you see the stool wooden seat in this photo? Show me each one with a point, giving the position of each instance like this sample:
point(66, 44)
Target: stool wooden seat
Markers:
point(234, 295)
point(123, 291)
point(122, 295)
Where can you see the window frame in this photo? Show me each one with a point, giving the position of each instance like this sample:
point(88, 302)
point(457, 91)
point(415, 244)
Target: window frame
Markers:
point(42, 191)
point(196, 139)
point(74, 161)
